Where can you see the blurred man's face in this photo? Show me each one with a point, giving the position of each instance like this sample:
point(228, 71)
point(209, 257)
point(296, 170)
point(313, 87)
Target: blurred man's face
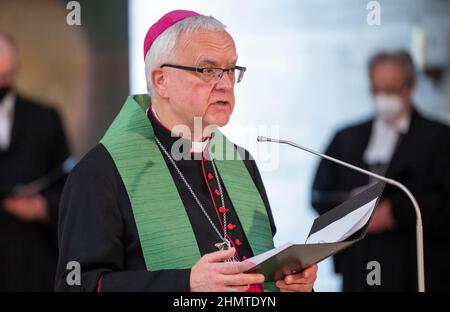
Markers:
point(7, 64)
point(392, 96)
point(188, 93)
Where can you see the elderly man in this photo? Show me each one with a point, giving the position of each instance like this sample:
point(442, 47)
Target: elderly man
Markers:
point(159, 205)
point(401, 143)
point(32, 148)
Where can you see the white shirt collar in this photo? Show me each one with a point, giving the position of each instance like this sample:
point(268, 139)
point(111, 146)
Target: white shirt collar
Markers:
point(6, 119)
point(401, 125)
point(383, 140)
point(7, 104)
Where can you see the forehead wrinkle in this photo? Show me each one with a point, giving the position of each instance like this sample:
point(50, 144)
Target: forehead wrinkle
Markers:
point(207, 60)
point(223, 45)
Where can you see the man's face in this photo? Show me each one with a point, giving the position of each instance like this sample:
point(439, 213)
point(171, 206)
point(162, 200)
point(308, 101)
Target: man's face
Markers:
point(191, 96)
point(7, 64)
point(388, 78)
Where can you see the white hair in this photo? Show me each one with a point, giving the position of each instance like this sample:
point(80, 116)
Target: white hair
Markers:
point(162, 49)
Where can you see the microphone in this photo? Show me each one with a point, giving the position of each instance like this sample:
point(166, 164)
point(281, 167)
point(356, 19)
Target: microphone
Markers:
point(419, 228)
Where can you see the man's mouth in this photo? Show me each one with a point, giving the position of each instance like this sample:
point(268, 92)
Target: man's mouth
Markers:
point(221, 103)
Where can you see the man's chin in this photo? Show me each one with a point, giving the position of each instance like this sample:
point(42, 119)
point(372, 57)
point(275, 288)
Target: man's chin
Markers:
point(219, 117)
point(219, 121)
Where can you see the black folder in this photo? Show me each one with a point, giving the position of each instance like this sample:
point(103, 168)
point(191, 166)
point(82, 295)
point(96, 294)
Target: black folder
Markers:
point(293, 258)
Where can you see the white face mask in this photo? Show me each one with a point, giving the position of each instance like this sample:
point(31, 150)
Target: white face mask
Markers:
point(388, 106)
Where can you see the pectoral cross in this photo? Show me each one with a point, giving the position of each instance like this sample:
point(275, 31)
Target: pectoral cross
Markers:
point(225, 245)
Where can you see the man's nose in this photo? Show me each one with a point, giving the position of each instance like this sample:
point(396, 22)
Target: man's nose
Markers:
point(225, 82)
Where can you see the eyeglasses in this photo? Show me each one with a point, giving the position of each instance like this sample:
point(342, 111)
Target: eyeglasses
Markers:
point(213, 74)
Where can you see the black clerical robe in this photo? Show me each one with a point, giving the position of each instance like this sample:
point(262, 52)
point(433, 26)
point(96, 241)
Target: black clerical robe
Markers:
point(421, 161)
point(98, 229)
point(28, 250)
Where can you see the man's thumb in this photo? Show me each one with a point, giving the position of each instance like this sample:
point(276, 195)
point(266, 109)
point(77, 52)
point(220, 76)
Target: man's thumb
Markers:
point(221, 255)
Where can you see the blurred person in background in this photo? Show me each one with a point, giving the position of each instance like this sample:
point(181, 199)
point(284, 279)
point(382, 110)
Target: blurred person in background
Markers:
point(33, 148)
point(400, 143)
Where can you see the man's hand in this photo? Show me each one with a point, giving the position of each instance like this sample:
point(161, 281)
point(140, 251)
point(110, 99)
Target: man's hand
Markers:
point(31, 208)
point(299, 282)
point(382, 219)
point(211, 274)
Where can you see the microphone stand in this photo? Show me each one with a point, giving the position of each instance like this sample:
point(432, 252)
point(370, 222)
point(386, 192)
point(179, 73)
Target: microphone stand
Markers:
point(419, 228)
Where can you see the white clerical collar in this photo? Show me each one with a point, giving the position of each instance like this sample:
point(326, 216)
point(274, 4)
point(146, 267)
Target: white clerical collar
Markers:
point(199, 147)
point(196, 147)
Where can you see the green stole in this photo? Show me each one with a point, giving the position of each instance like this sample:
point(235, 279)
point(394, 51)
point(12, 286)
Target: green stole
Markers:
point(165, 232)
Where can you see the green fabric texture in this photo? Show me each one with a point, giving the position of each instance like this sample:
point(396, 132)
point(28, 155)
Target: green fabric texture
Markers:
point(165, 232)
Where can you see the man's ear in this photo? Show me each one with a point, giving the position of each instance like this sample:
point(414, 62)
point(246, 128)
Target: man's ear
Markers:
point(159, 82)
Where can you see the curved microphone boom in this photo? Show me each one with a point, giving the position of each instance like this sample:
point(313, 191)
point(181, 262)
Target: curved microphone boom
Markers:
point(419, 228)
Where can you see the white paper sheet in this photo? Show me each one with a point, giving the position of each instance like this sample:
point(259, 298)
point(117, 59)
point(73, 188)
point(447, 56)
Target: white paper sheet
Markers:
point(345, 227)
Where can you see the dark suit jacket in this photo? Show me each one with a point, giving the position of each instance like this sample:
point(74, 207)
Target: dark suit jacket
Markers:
point(28, 249)
point(421, 162)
